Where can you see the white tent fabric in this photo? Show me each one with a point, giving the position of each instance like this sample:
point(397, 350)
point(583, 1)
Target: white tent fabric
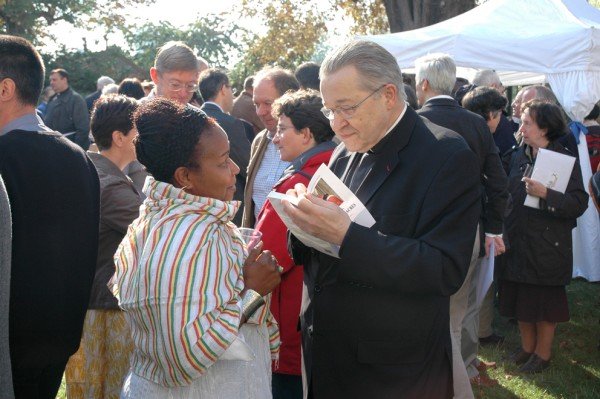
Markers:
point(526, 42)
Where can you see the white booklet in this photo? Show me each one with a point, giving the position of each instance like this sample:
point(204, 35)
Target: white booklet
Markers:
point(323, 183)
point(485, 276)
point(553, 170)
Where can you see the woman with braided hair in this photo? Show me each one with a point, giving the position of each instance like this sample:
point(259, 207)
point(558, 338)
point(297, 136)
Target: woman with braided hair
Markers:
point(196, 300)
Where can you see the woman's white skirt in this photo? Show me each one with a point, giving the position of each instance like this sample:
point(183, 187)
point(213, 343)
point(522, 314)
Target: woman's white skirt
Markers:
point(225, 379)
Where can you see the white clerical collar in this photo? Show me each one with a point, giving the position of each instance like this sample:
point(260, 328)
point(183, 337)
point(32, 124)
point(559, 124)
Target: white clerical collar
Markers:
point(440, 96)
point(397, 120)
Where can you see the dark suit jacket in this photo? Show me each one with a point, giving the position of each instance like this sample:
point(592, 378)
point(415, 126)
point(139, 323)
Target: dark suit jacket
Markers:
point(67, 113)
point(473, 128)
point(91, 99)
point(239, 149)
point(375, 322)
point(504, 135)
point(54, 193)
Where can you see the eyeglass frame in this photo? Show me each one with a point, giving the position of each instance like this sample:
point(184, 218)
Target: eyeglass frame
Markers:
point(188, 87)
point(330, 113)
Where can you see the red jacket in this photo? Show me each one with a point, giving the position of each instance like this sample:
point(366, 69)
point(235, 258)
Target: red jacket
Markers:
point(287, 297)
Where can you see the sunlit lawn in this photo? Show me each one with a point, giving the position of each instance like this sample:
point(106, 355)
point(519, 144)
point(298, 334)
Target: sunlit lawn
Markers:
point(575, 369)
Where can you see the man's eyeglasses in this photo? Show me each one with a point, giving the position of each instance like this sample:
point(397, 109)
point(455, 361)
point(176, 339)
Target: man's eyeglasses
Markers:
point(347, 112)
point(177, 86)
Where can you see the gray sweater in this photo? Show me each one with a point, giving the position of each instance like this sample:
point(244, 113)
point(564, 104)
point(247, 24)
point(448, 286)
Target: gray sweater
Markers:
point(6, 388)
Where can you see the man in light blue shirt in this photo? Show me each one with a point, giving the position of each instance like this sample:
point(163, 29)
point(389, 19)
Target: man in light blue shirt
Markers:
point(265, 167)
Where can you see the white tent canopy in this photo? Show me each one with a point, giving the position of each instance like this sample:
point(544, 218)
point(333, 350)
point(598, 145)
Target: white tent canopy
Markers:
point(526, 42)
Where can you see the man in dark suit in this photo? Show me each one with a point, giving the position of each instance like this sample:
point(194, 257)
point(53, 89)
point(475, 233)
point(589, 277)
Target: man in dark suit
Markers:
point(218, 102)
point(375, 321)
point(67, 112)
point(54, 194)
point(91, 99)
point(436, 76)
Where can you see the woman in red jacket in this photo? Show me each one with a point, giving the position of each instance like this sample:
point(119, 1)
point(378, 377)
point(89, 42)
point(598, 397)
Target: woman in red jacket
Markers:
point(304, 139)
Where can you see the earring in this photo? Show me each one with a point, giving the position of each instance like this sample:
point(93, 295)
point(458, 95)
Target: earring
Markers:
point(184, 187)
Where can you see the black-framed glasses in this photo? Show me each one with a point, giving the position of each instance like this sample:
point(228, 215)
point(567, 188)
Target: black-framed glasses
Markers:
point(348, 112)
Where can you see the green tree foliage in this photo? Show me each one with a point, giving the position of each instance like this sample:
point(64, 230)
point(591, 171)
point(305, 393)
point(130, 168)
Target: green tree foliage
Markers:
point(85, 67)
point(294, 28)
point(369, 16)
point(30, 19)
point(210, 36)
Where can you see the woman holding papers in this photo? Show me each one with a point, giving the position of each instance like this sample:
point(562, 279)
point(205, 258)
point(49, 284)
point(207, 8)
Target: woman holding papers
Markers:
point(540, 258)
point(199, 325)
point(304, 139)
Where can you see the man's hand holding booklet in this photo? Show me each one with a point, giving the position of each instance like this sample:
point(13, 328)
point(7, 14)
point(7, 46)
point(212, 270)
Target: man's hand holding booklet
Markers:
point(319, 215)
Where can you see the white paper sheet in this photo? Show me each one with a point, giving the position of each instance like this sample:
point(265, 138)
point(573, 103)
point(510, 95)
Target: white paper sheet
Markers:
point(553, 170)
point(324, 181)
point(486, 275)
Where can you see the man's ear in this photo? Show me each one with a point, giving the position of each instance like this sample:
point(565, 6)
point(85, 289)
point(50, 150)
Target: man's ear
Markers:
point(7, 90)
point(181, 177)
point(154, 75)
point(390, 93)
point(118, 138)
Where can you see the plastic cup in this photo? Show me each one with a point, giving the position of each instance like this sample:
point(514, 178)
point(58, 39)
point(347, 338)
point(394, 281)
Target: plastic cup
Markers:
point(250, 236)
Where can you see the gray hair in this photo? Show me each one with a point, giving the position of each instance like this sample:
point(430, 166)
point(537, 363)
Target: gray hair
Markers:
point(111, 88)
point(487, 77)
point(543, 93)
point(439, 70)
point(103, 81)
point(175, 56)
point(376, 65)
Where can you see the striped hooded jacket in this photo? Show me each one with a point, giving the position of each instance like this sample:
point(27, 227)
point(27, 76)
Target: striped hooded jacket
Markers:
point(179, 277)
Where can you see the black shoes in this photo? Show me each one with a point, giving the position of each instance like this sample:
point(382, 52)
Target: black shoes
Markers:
point(493, 339)
point(519, 357)
point(534, 365)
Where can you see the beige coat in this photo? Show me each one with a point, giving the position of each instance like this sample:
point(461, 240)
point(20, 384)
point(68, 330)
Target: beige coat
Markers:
point(257, 152)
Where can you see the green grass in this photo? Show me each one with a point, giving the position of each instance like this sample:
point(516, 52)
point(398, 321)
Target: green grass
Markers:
point(575, 369)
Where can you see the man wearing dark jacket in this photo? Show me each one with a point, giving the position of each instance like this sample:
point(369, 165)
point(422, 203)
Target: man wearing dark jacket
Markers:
point(67, 111)
point(218, 102)
point(54, 194)
point(375, 320)
point(436, 75)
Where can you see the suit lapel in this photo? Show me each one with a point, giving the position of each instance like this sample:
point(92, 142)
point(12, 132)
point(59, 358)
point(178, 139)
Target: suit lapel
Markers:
point(387, 156)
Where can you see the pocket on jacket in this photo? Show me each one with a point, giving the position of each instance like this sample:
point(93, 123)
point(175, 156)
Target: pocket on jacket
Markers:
point(560, 244)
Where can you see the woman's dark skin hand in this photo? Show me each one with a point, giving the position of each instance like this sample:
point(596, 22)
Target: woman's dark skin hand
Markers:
point(261, 272)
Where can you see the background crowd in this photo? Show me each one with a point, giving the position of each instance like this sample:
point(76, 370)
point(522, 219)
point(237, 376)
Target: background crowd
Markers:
point(128, 272)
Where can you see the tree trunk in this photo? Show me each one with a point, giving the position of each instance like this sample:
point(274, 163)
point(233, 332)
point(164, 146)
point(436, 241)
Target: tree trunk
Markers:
point(412, 14)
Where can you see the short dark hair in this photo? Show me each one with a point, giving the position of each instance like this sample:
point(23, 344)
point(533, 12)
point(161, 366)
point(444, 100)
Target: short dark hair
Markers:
point(131, 87)
point(307, 75)
point(282, 79)
point(483, 100)
point(168, 135)
point(547, 116)
point(211, 81)
point(63, 73)
point(20, 62)
point(110, 113)
point(304, 110)
point(248, 82)
point(594, 113)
